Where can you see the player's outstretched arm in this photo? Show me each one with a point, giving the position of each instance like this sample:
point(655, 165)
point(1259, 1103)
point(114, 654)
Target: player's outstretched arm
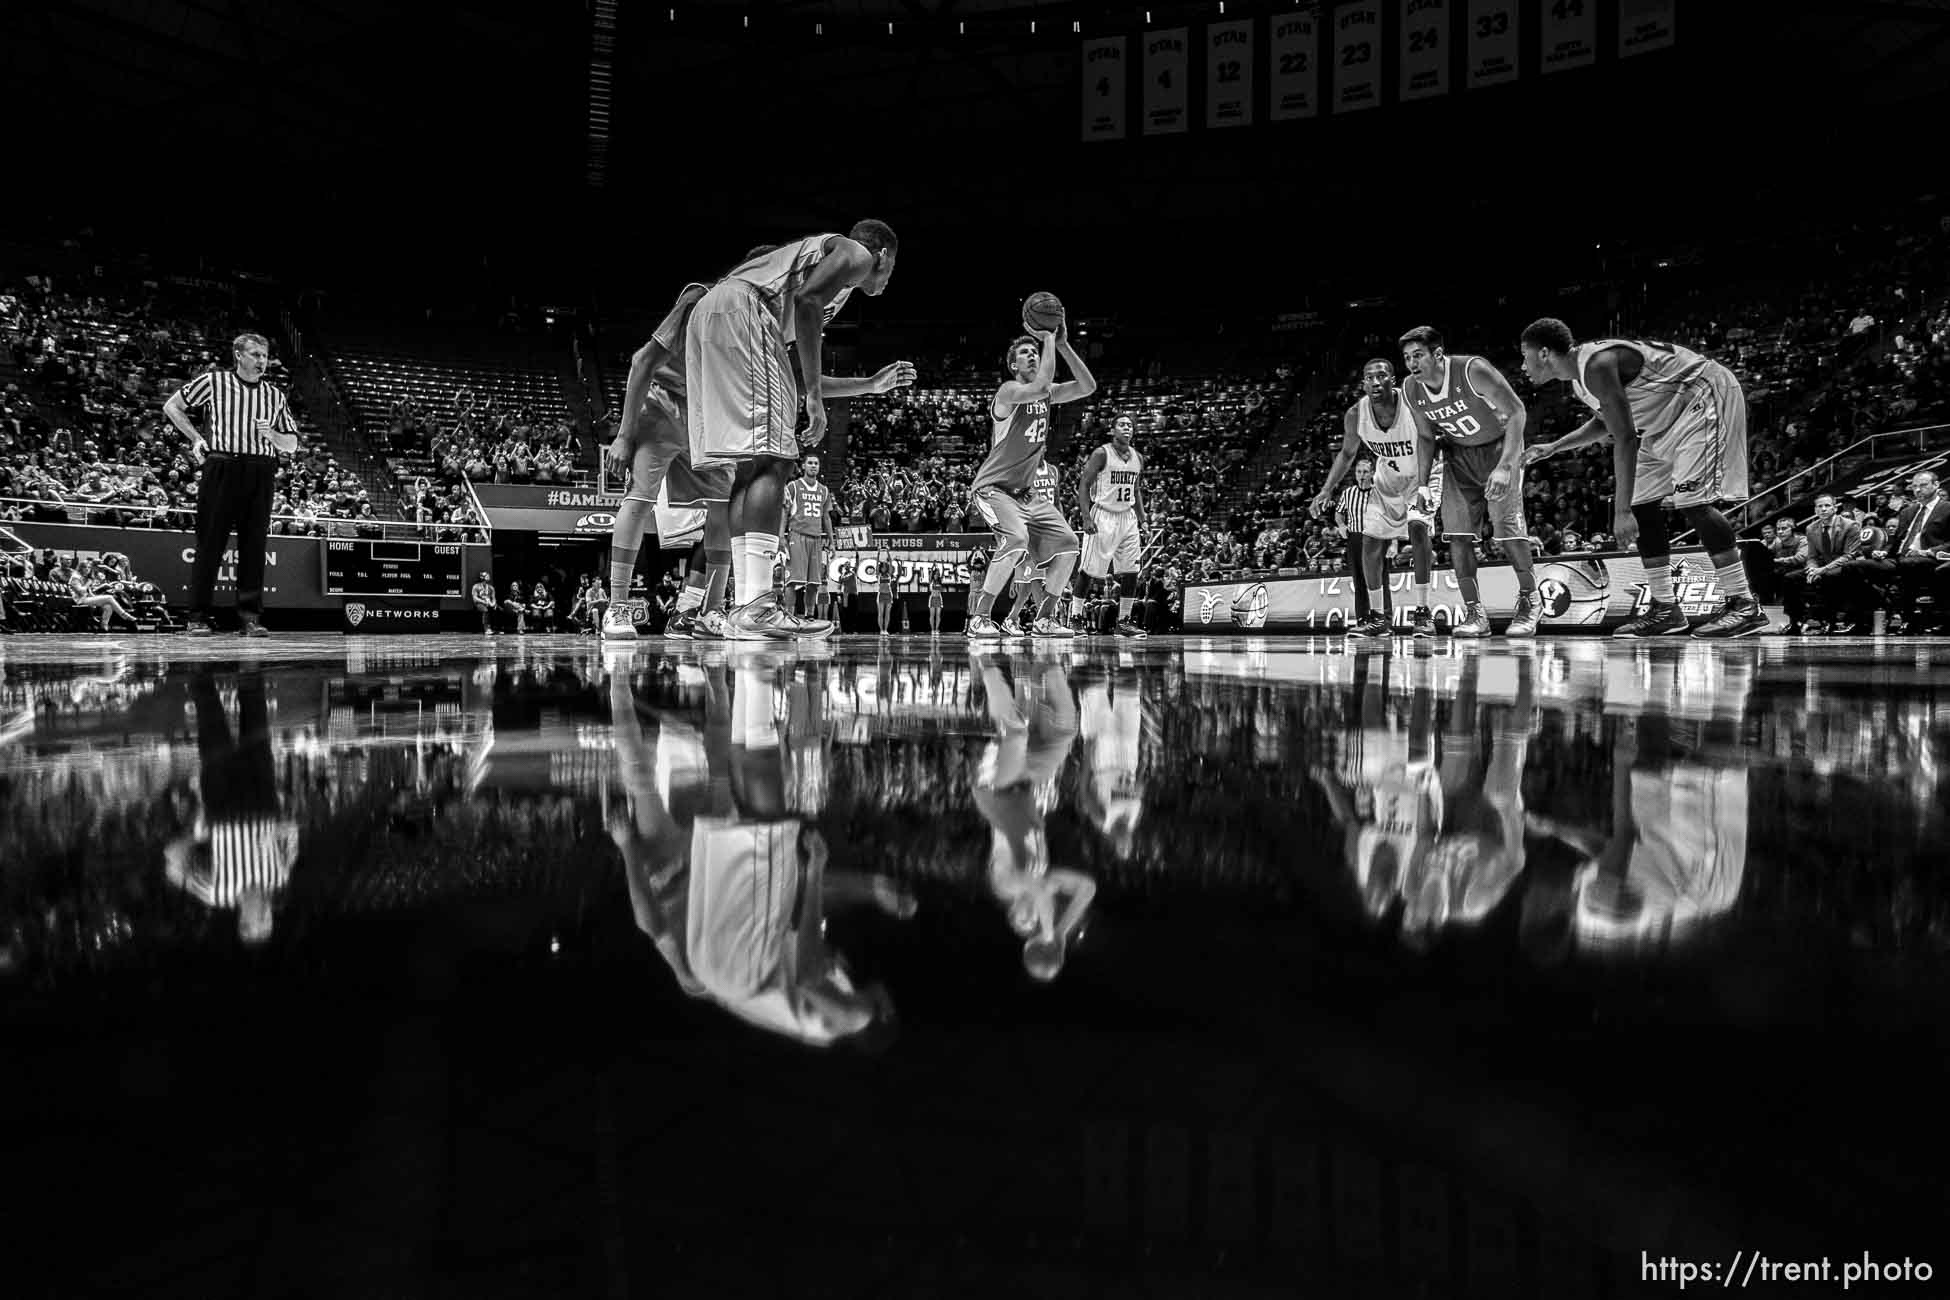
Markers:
point(899, 374)
point(1083, 383)
point(1343, 461)
point(1091, 469)
point(1589, 434)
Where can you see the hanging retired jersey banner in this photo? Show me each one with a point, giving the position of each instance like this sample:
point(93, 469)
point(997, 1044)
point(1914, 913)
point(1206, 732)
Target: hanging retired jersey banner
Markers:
point(1294, 66)
point(1357, 57)
point(1164, 82)
point(1570, 35)
point(1103, 89)
point(1644, 26)
point(1425, 48)
point(1492, 48)
point(1229, 74)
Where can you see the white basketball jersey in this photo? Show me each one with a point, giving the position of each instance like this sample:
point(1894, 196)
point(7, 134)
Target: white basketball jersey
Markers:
point(1662, 388)
point(779, 274)
point(1393, 448)
point(1113, 733)
point(1117, 483)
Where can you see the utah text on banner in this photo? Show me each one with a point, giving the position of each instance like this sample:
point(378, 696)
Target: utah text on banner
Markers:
point(1294, 67)
point(1165, 65)
point(1103, 88)
point(1229, 74)
point(1357, 57)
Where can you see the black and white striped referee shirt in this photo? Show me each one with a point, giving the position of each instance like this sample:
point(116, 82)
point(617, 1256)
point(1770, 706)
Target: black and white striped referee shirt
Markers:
point(234, 409)
point(1353, 505)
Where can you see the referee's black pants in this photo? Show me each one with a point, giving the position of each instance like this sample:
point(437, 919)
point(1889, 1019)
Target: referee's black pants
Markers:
point(234, 495)
point(1356, 542)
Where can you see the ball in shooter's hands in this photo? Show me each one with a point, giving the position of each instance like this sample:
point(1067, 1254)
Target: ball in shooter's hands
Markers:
point(1042, 310)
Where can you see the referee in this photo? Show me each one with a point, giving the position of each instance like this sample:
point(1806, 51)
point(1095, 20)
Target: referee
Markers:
point(248, 424)
point(1349, 512)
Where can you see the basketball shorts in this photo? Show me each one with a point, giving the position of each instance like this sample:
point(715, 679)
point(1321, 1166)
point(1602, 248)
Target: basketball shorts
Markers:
point(805, 563)
point(745, 883)
point(1466, 504)
point(677, 526)
point(659, 440)
point(742, 400)
point(1700, 458)
point(690, 486)
point(1114, 546)
point(1034, 532)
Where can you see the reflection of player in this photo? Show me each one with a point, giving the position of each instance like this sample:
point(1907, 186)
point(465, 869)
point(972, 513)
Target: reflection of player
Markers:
point(1399, 506)
point(755, 924)
point(241, 851)
point(1112, 718)
point(1015, 789)
point(1437, 826)
point(1677, 852)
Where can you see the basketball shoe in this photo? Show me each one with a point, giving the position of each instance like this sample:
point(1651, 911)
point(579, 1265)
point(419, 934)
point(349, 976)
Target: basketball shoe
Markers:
point(1530, 612)
point(1661, 618)
point(1739, 616)
point(1422, 624)
point(1475, 624)
point(1374, 627)
point(619, 624)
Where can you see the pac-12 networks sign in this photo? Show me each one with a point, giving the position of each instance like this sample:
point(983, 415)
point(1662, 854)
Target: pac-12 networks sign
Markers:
point(1582, 592)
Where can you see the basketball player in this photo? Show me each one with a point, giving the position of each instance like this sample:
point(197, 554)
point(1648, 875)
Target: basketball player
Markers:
point(743, 401)
point(808, 526)
point(1110, 501)
point(1463, 405)
point(1678, 425)
point(1111, 713)
point(653, 445)
point(1026, 531)
point(1015, 789)
point(1042, 490)
point(1397, 507)
point(702, 531)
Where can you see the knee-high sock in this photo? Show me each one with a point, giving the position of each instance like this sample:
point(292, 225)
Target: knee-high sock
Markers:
point(632, 520)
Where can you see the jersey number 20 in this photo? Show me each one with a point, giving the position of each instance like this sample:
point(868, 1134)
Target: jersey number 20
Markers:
point(1466, 427)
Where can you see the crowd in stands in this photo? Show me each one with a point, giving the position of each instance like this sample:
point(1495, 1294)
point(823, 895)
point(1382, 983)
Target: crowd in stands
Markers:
point(82, 434)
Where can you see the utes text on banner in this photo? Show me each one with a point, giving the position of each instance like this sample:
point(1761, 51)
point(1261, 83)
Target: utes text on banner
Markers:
point(1164, 82)
point(1357, 57)
point(1103, 89)
point(1570, 35)
point(1644, 26)
point(1294, 67)
point(1425, 48)
point(1229, 74)
point(1492, 49)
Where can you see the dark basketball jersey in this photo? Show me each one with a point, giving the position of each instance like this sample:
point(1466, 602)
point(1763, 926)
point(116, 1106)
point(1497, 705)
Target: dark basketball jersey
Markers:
point(1015, 447)
point(808, 504)
point(1458, 414)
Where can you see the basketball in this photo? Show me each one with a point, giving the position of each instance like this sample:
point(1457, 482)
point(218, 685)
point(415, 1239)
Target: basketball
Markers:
point(1575, 592)
point(1249, 607)
point(1042, 310)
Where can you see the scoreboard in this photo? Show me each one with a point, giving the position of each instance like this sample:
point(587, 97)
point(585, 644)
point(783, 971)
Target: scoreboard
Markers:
point(363, 567)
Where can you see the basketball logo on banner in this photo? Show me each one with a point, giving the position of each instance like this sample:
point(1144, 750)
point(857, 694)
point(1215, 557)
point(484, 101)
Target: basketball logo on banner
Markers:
point(1164, 82)
point(1425, 48)
point(1103, 89)
point(1357, 58)
point(1295, 67)
point(1570, 36)
point(1492, 43)
point(1229, 74)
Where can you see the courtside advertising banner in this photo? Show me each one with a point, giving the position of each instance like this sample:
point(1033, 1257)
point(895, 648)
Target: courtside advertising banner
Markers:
point(1103, 89)
point(1570, 35)
point(1492, 48)
point(916, 557)
point(294, 570)
point(538, 508)
point(1229, 74)
point(1580, 594)
point(1425, 48)
point(1644, 26)
point(1165, 64)
point(1293, 66)
point(1357, 57)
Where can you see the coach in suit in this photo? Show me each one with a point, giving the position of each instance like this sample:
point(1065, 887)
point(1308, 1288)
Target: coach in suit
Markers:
point(1820, 586)
point(1920, 546)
